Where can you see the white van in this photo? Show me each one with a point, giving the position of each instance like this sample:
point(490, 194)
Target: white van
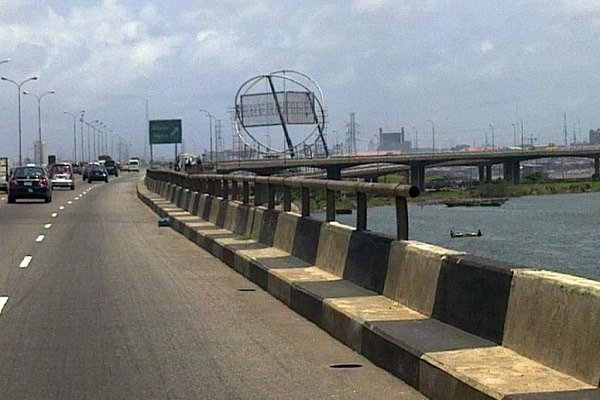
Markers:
point(133, 165)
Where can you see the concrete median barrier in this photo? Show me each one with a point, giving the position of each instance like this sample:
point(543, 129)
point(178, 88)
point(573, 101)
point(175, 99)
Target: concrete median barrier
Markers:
point(451, 325)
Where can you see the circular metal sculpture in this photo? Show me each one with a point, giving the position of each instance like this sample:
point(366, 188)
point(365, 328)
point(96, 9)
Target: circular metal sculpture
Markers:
point(290, 99)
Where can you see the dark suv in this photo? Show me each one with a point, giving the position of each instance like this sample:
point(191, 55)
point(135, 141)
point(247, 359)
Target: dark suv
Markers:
point(111, 167)
point(30, 182)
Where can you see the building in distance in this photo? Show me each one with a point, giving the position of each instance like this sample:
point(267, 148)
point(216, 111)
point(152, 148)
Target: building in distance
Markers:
point(595, 136)
point(394, 141)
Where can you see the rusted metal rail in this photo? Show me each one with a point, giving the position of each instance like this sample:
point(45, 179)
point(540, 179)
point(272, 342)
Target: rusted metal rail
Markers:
point(264, 190)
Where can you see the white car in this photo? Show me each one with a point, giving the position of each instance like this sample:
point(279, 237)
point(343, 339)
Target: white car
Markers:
point(61, 175)
point(132, 165)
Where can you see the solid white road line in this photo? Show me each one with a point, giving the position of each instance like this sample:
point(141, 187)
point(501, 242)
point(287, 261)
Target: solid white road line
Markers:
point(47, 226)
point(25, 262)
point(54, 215)
point(40, 238)
point(3, 300)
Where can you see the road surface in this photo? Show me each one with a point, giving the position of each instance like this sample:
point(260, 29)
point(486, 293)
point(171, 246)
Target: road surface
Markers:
point(97, 302)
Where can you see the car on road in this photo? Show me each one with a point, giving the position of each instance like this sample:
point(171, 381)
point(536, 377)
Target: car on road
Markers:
point(86, 169)
point(132, 165)
point(30, 182)
point(4, 173)
point(97, 173)
point(61, 175)
point(111, 167)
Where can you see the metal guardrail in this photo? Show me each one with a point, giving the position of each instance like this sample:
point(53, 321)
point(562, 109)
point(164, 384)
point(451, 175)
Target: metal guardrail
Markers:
point(265, 189)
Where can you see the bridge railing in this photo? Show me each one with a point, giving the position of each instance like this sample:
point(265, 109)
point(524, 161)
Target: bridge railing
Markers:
point(264, 190)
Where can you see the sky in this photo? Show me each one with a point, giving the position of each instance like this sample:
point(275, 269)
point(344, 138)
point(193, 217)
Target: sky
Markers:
point(465, 65)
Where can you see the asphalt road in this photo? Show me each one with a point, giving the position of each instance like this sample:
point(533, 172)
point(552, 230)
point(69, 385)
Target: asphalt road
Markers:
point(112, 307)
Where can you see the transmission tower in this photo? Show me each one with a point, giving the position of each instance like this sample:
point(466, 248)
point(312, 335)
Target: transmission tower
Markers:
point(219, 145)
point(565, 129)
point(351, 135)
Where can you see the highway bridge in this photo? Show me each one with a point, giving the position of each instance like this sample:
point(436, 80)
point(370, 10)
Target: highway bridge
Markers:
point(98, 302)
point(235, 299)
point(510, 159)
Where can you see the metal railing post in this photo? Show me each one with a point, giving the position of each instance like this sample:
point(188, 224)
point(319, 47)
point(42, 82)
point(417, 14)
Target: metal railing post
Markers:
point(361, 211)
point(245, 192)
point(330, 205)
point(305, 202)
point(225, 191)
point(287, 199)
point(271, 194)
point(401, 218)
point(234, 191)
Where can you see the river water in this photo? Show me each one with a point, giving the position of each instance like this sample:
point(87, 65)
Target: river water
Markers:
point(555, 232)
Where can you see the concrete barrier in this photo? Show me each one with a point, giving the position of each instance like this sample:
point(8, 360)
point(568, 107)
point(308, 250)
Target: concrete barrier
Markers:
point(453, 326)
point(555, 318)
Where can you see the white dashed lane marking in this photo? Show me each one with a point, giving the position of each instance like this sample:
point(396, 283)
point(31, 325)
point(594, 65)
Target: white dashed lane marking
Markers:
point(47, 226)
point(40, 238)
point(3, 300)
point(54, 215)
point(25, 262)
point(61, 207)
point(69, 202)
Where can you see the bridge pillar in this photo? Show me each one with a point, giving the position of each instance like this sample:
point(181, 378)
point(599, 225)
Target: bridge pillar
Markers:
point(417, 175)
point(512, 172)
point(596, 168)
point(488, 173)
point(481, 174)
point(334, 173)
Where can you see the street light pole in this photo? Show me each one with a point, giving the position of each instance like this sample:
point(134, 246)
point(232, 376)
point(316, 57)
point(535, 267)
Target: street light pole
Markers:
point(432, 136)
point(74, 115)
point(18, 85)
point(81, 136)
point(210, 117)
point(40, 160)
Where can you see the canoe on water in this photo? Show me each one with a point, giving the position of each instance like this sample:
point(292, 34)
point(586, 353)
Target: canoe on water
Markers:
point(457, 234)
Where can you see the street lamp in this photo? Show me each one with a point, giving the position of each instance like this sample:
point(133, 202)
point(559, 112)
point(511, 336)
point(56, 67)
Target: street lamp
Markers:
point(75, 116)
point(18, 85)
point(432, 136)
point(210, 118)
point(40, 160)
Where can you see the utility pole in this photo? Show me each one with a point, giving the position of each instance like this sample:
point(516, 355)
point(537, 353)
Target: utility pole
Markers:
point(351, 135)
point(565, 130)
point(416, 139)
point(146, 134)
point(522, 137)
point(493, 141)
point(432, 136)
point(514, 134)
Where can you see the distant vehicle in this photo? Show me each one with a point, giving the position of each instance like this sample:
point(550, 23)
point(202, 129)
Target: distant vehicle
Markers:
point(61, 175)
point(4, 173)
point(86, 169)
point(111, 168)
point(104, 157)
point(79, 168)
point(30, 182)
point(132, 165)
point(97, 173)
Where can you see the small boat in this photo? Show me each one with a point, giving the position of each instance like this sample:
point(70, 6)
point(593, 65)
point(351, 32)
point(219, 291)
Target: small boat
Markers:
point(458, 234)
point(343, 211)
point(490, 202)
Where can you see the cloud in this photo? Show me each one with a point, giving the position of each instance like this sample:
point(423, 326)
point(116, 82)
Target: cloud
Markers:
point(400, 62)
point(484, 47)
point(367, 5)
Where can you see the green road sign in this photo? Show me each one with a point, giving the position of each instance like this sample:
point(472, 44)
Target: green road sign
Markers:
point(165, 131)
